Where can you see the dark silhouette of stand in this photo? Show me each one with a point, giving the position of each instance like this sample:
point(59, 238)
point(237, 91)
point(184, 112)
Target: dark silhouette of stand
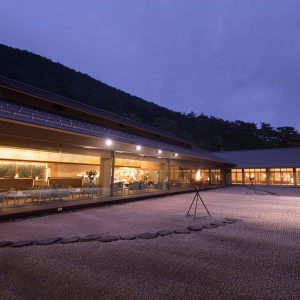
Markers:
point(252, 184)
point(197, 186)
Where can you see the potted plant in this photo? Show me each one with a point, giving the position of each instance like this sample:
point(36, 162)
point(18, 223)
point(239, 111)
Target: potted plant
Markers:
point(91, 174)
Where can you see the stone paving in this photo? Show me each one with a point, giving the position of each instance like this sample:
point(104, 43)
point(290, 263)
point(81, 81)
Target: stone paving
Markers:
point(248, 249)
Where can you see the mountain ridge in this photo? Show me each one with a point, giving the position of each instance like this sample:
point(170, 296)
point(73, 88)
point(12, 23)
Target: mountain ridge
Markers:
point(205, 132)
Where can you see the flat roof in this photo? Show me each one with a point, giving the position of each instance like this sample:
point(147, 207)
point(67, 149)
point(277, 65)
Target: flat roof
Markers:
point(263, 158)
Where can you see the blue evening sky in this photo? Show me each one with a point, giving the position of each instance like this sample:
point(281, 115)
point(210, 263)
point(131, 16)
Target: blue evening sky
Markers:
point(233, 59)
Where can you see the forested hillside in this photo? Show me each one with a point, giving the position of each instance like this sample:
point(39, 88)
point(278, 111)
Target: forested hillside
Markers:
point(204, 131)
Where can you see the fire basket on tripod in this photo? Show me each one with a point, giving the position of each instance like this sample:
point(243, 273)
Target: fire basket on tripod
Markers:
point(252, 183)
point(197, 183)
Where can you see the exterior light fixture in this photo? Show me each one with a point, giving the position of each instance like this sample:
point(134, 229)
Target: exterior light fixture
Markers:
point(175, 154)
point(159, 151)
point(108, 142)
point(138, 147)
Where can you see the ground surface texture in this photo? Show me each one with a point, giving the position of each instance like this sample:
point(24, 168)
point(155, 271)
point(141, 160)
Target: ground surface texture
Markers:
point(256, 257)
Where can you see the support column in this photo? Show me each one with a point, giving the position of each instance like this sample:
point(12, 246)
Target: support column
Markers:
point(105, 176)
point(169, 170)
point(243, 176)
point(267, 177)
point(295, 176)
point(228, 177)
point(162, 175)
point(112, 173)
point(222, 176)
point(190, 177)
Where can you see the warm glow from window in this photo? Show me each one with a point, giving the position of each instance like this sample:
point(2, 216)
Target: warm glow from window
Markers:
point(198, 175)
point(37, 155)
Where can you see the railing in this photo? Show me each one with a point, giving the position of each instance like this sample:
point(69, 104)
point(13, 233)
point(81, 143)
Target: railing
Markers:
point(46, 194)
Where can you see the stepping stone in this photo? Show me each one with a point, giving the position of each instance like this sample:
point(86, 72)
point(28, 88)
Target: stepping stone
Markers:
point(148, 235)
point(164, 232)
point(91, 237)
point(48, 241)
point(182, 231)
point(107, 239)
point(5, 243)
point(128, 237)
point(209, 226)
point(195, 228)
point(228, 222)
point(22, 243)
point(217, 223)
point(70, 240)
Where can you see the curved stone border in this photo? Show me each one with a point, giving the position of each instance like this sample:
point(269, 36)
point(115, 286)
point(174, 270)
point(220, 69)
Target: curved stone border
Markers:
point(107, 239)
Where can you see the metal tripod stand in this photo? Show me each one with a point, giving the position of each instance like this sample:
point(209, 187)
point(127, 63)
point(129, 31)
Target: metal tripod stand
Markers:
point(252, 184)
point(197, 186)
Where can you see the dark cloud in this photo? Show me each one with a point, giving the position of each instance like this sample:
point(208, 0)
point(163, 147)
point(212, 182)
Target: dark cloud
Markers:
point(231, 59)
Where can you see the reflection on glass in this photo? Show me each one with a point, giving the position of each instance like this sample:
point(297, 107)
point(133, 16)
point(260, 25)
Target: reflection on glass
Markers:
point(283, 176)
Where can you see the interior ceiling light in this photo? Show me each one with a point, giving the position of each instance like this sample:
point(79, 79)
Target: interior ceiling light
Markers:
point(108, 142)
point(138, 147)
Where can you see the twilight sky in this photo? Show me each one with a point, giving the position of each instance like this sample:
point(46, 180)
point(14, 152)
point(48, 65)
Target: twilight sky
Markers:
point(233, 59)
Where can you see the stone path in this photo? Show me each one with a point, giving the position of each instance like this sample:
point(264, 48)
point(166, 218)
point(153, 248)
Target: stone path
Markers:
point(107, 239)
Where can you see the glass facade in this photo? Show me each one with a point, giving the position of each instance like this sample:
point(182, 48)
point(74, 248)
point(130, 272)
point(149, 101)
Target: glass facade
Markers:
point(281, 176)
point(274, 176)
point(297, 172)
point(259, 176)
point(136, 174)
point(31, 176)
point(206, 174)
point(180, 174)
point(236, 176)
point(215, 177)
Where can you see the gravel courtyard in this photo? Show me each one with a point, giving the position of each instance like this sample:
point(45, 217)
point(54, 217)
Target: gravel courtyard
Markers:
point(256, 257)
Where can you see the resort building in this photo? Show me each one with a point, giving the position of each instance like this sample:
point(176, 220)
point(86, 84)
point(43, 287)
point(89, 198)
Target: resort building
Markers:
point(57, 150)
point(278, 166)
point(54, 148)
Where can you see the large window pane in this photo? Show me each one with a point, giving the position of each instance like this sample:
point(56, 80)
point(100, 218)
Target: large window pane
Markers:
point(7, 170)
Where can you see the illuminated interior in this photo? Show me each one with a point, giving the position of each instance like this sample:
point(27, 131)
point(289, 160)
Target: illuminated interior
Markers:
point(236, 176)
point(298, 176)
point(24, 168)
point(259, 176)
point(281, 176)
